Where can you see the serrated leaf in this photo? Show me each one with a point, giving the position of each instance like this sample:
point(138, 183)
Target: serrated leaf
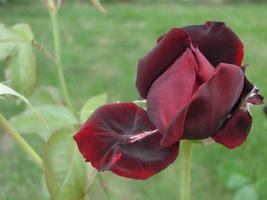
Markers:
point(91, 105)
point(46, 95)
point(65, 170)
point(247, 192)
point(16, 48)
point(21, 70)
point(56, 117)
point(24, 30)
point(8, 41)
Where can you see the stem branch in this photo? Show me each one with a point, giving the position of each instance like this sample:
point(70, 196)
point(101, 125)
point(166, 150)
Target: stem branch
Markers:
point(58, 60)
point(186, 170)
point(44, 51)
point(21, 141)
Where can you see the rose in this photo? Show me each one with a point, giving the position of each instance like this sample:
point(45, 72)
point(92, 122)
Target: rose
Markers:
point(195, 88)
point(120, 137)
point(188, 98)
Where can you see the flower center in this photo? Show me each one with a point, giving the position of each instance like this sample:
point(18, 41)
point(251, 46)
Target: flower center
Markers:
point(140, 136)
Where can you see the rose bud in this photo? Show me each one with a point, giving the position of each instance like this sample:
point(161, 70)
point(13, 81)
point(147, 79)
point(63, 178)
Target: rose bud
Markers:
point(195, 87)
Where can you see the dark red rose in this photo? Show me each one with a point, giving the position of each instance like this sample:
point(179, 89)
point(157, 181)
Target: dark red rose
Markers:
point(120, 138)
point(195, 88)
point(195, 85)
point(217, 42)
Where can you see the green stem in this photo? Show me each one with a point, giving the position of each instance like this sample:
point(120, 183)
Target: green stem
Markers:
point(104, 187)
point(21, 142)
point(58, 60)
point(44, 51)
point(186, 170)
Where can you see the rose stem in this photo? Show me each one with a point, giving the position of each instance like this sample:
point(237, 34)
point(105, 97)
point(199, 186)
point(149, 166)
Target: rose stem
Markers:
point(58, 61)
point(21, 142)
point(186, 170)
point(104, 187)
point(57, 48)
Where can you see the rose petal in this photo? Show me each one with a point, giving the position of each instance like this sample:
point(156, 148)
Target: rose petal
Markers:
point(217, 42)
point(250, 94)
point(120, 138)
point(235, 131)
point(169, 48)
point(254, 97)
point(246, 90)
point(171, 92)
point(213, 102)
point(205, 69)
point(209, 106)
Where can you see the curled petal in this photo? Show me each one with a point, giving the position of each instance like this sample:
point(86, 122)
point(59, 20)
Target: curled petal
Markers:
point(168, 49)
point(254, 97)
point(171, 92)
point(121, 138)
point(217, 42)
point(250, 94)
point(209, 107)
point(204, 68)
point(235, 130)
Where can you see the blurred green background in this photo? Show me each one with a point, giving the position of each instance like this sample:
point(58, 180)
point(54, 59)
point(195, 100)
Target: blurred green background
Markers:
point(100, 54)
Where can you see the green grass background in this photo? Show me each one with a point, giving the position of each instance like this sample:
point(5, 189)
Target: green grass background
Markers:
point(100, 55)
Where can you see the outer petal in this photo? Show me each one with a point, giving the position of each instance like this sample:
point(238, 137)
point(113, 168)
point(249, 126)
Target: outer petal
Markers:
point(254, 97)
point(250, 94)
point(120, 138)
point(209, 107)
point(217, 42)
point(235, 131)
point(171, 92)
point(168, 49)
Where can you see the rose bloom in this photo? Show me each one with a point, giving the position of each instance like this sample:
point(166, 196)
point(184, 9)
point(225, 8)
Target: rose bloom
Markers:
point(195, 86)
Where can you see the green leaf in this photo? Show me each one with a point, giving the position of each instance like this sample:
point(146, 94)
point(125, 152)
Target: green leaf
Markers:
point(260, 187)
point(24, 30)
point(8, 41)
point(65, 170)
point(5, 90)
point(246, 193)
point(16, 47)
point(46, 95)
point(235, 181)
point(55, 116)
point(91, 105)
point(44, 190)
point(232, 175)
point(21, 70)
